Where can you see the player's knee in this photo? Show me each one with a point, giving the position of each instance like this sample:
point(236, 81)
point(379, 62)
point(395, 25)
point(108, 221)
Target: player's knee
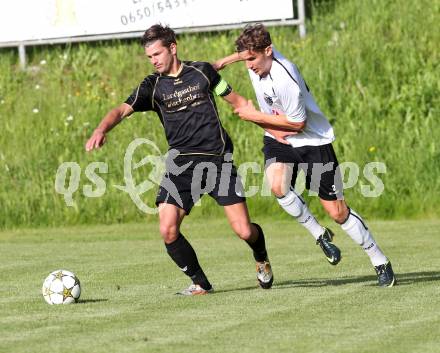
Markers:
point(243, 230)
point(168, 232)
point(277, 190)
point(339, 215)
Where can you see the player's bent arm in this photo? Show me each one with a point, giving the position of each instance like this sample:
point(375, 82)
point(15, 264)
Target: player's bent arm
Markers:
point(227, 60)
point(110, 120)
point(237, 101)
point(279, 133)
point(270, 128)
point(249, 113)
point(277, 122)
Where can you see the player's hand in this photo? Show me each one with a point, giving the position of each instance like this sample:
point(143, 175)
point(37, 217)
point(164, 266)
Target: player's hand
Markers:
point(246, 112)
point(281, 136)
point(96, 141)
point(218, 65)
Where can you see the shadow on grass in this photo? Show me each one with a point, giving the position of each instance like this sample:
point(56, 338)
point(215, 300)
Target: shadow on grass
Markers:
point(235, 289)
point(402, 279)
point(87, 301)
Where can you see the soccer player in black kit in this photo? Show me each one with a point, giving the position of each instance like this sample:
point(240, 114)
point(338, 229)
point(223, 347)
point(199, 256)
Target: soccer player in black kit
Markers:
point(182, 95)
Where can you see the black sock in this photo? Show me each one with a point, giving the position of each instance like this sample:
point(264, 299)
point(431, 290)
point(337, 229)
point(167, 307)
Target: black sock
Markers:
point(185, 257)
point(259, 246)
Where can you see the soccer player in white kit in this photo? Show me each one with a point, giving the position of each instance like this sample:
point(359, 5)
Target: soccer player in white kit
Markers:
point(299, 137)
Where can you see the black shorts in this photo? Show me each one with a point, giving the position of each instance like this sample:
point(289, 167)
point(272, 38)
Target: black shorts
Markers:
point(319, 164)
point(190, 177)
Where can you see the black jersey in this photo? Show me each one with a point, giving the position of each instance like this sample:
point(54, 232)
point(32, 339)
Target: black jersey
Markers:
point(186, 107)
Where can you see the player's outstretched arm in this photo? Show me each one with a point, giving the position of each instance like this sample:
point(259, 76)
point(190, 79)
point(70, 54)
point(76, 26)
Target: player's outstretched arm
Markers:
point(110, 120)
point(227, 60)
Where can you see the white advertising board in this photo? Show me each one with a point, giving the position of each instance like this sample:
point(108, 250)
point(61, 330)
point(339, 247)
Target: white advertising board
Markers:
point(33, 20)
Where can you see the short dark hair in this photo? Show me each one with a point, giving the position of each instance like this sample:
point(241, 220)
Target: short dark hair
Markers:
point(159, 32)
point(254, 37)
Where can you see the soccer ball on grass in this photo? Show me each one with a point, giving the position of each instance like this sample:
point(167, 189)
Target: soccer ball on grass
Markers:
point(61, 287)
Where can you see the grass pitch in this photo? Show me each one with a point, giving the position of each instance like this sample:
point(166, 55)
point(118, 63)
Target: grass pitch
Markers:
point(128, 285)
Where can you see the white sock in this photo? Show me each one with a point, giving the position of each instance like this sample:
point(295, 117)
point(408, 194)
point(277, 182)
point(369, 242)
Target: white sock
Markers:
point(294, 205)
point(355, 227)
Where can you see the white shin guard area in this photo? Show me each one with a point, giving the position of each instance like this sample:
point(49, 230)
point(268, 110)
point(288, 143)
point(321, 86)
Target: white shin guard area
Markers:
point(294, 205)
point(355, 227)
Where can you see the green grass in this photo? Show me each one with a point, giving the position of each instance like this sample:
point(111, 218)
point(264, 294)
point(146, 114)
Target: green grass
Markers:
point(372, 66)
point(128, 281)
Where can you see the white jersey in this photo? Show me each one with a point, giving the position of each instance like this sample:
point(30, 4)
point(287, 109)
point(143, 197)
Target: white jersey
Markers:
point(283, 91)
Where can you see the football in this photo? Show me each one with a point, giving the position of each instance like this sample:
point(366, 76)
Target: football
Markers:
point(61, 287)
